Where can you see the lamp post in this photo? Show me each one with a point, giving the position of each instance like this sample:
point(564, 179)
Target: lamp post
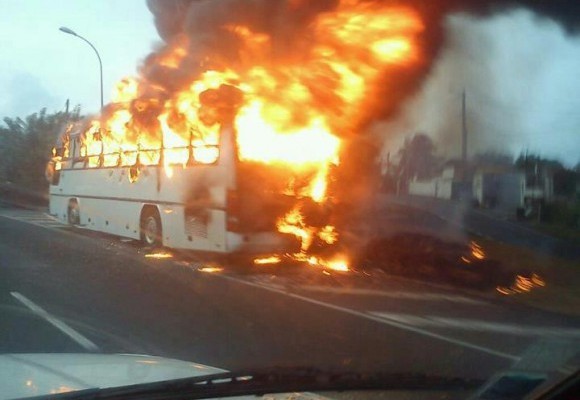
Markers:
point(71, 32)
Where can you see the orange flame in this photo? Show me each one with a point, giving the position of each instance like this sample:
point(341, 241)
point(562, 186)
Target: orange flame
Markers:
point(210, 269)
point(159, 255)
point(522, 284)
point(267, 260)
point(337, 263)
point(293, 223)
point(476, 251)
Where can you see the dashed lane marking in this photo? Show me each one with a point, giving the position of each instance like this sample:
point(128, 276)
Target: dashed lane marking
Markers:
point(423, 296)
point(478, 325)
point(57, 323)
point(35, 218)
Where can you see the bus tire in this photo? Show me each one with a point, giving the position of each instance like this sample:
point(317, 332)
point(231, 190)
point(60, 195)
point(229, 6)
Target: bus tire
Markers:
point(73, 212)
point(151, 229)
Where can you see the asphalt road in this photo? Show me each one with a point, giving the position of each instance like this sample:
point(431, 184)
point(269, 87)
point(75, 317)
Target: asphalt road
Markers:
point(66, 289)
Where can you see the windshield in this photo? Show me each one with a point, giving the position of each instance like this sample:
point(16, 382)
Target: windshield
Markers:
point(365, 187)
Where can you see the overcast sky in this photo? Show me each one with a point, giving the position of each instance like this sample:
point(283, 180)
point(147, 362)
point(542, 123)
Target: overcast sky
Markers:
point(42, 67)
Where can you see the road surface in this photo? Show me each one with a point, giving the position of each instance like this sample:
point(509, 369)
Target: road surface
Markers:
point(66, 289)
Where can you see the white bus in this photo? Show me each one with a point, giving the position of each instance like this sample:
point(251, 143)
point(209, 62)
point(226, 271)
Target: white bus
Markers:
point(195, 208)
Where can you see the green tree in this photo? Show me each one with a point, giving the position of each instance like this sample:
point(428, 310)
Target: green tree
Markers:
point(25, 146)
point(417, 158)
point(531, 161)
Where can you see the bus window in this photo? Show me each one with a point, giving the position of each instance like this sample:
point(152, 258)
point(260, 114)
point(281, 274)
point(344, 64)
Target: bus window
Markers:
point(206, 154)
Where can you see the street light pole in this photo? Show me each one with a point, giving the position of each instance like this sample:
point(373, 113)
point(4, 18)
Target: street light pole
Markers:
point(71, 32)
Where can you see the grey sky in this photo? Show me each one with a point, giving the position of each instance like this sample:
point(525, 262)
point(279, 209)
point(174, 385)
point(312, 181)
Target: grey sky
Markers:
point(42, 67)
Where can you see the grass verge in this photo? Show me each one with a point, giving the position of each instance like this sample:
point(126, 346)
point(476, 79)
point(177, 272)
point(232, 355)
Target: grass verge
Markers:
point(561, 292)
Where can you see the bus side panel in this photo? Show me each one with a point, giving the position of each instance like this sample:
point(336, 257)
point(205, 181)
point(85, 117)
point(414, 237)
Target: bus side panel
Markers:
point(110, 203)
point(58, 207)
point(181, 231)
point(111, 216)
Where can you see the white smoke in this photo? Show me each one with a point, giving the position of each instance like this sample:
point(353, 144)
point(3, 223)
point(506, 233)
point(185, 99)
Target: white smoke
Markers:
point(521, 74)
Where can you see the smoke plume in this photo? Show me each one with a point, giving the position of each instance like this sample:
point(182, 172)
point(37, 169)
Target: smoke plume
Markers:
point(519, 72)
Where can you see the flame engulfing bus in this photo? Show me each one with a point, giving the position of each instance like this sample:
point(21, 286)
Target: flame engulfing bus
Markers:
point(186, 190)
point(210, 183)
point(187, 197)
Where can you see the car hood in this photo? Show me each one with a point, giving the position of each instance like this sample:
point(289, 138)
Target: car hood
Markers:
point(27, 375)
point(24, 375)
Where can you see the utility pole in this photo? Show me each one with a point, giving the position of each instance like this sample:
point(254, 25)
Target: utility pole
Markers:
point(463, 131)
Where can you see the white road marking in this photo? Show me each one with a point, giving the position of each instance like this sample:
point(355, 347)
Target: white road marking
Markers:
point(395, 294)
point(478, 325)
point(393, 323)
point(33, 215)
point(35, 218)
point(42, 222)
point(51, 225)
point(57, 323)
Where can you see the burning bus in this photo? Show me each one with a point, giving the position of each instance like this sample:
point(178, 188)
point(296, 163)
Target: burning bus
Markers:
point(179, 190)
point(223, 138)
point(147, 194)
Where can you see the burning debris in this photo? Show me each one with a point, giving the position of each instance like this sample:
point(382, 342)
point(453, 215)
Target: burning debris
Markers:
point(522, 284)
point(159, 255)
point(476, 250)
point(270, 260)
point(429, 258)
point(210, 269)
point(337, 263)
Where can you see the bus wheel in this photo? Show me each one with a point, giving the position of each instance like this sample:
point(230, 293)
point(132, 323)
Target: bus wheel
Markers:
point(151, 232)
point(74, 213)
